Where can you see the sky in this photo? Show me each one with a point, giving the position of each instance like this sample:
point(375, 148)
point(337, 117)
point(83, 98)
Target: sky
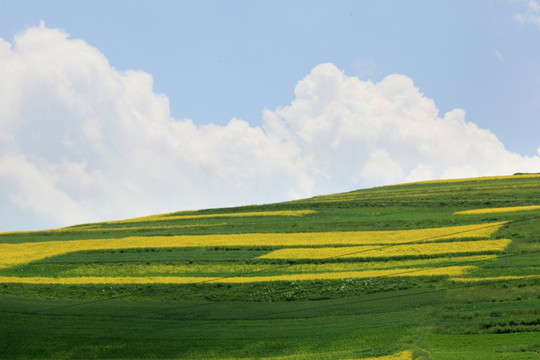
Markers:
point(117, 109)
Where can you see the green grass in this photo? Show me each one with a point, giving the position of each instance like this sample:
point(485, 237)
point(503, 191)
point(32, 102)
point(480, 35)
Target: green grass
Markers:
point(330, 319)
point(515, 346)
point(229, 329)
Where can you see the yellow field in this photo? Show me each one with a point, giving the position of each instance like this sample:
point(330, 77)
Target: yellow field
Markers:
point(95, 228)
point(354, 195)
point(434, 271)
point(252, 269)
point(170, 216)
point(15, 254)
point(496, 278)
point(504, 177)
point(456, 247)
point(404, 355)
point(405, 193)
point(498, 210)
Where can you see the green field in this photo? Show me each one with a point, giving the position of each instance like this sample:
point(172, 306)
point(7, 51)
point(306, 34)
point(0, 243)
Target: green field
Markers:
point(392, 270)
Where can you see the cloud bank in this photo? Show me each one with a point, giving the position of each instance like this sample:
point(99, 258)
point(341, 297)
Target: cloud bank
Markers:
point(81, 141)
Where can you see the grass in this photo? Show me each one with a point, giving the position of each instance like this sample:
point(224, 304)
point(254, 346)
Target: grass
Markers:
point(230, 329)
point(437, 316)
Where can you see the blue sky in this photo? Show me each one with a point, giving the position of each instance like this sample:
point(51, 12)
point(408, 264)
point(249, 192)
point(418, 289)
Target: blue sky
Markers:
point(220, 60)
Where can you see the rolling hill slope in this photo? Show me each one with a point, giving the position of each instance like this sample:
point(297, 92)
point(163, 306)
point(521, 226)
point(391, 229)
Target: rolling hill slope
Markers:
point(441, 270)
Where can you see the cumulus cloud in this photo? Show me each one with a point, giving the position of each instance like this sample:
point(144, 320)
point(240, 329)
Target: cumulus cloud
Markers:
point(358, 133)
point(81, 141)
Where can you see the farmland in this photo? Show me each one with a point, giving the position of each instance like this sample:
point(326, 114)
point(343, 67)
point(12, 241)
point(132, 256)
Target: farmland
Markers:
point(439, 269)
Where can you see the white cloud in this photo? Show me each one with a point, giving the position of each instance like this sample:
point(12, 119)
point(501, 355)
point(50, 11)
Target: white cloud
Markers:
point(81, 141)
point(359, 133)
point(499, 56)
point(530, 15)
point(533, 6)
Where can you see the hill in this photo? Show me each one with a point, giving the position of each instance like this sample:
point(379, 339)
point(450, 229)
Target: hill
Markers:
point(440, 269)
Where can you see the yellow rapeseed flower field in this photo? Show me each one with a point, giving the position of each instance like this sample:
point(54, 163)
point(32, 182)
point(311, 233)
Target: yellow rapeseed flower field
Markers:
point(97, 228)
point(455, 247)
point(496, 278)
point(404, 355)
point(404, 194)
point(447, 181)
point(135, 228)
point(171, 216)
point(498, 210)
point(432, 271)
point(14, 254)
point(254, 269)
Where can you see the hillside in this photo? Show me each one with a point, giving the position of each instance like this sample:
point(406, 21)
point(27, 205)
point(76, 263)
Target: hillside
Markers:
point(440, 269)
